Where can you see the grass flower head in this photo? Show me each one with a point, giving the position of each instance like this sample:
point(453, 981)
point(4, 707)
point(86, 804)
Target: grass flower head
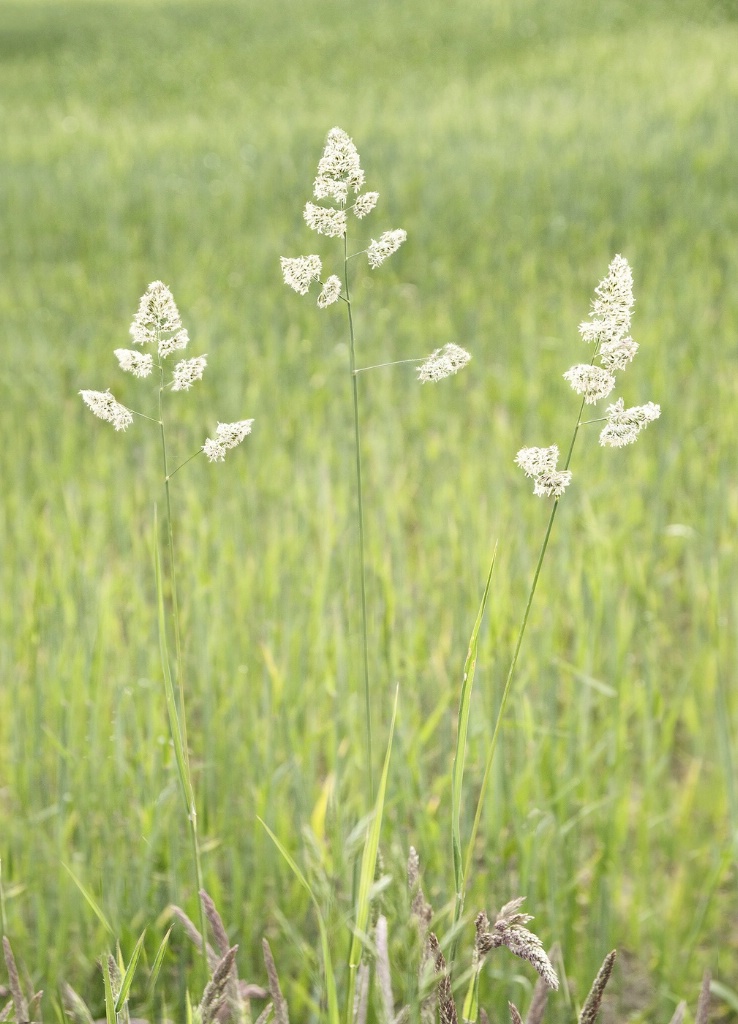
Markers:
point(157, 314)
point(299, 272)
point(339, 168)
point(383, 247)
point(325, 220)
point(227, 435)
point(140, 364)
point(331, 292)
point(624, 425)
point(443, 363)
point(593, 382)
point(102, 404)
point(365, 204)
point(540, 463)
point(187, 371)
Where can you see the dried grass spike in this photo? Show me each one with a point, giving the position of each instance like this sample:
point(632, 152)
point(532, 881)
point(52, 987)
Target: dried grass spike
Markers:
point(281, 1015)
point(540, 993)
point(384, 976)
point(361, 998)
point(194, 935)
point(446, 1005)
point(216, 923)
point(420, 908)
point(514, 1014)
point(678, 1017)
point(483, 1016)
point(703, 1003)
point(19, 1002)
point(215, 991)
point(592, 1003)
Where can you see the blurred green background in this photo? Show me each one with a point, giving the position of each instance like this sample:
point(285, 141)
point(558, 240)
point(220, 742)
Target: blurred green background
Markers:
point(521, 145)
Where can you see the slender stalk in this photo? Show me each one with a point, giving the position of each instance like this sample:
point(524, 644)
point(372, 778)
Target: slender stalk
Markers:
point(394, 362)
point(360, 502)
point(461, 891)
point(177, 715)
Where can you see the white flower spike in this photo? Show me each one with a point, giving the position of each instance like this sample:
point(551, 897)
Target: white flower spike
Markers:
point(102, 404)
point(383, 247)
point(331, 292)
point(593, 382)
point(187, 371)
point(140, 364)
point(540, 463)
point(157, 313)
point(443, 363)
point(299, 272)
point(227, 435)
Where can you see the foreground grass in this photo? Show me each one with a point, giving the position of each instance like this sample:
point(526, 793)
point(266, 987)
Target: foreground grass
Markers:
point(520, 146)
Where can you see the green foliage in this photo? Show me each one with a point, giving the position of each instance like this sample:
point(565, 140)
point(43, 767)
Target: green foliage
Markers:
point(520, 145)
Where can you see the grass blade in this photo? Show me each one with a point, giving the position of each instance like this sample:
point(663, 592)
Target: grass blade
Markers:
point(125, 987)
point(368, 868)
point(330, 978)
point(90, 900)
point(158, 960)
point(110, 1015)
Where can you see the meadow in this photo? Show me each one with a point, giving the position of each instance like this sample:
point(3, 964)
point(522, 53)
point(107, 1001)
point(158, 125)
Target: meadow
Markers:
point(520, 145)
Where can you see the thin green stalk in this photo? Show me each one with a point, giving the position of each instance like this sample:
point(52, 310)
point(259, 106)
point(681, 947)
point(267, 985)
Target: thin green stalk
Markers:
point(177, 714)
point(508, 682)
point(360, 501)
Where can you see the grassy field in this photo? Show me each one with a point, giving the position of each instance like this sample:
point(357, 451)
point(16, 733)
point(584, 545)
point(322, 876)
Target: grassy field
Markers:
point(520, 145)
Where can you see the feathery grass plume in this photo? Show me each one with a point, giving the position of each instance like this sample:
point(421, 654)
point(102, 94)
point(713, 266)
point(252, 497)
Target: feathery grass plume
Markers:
point(331, 292)
point(383, 247)
point(216, 923)
point(593, 382)
point(325, 220)
point(703, 1004)
point(105, 406)
point(365, 204)
point(612, 306)
point(509, 930)
point(157, 314)
point(140, 364)
point(593, 1001)
point(624, 425)
point(281, 1014)
point(300, 271)
point(234, 1001)
point(540, 463)
point(176, 343)
point(339, 168)
point(214, 996)
point(446, 1005)
point(443, 363)
point(187, 371)
point(227, 436)
point(383, 973)
point(19, 1001)
point(514, 1014)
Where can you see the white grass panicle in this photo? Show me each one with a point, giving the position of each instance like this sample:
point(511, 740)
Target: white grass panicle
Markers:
point(609, 331)
point(337, 189)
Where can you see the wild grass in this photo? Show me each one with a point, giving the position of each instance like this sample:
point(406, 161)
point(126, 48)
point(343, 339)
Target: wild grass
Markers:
point(520, 146)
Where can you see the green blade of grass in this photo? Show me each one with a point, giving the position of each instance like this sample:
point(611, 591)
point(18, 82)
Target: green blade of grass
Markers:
point(368, 868)
point(110, 1015)
point(330, 978)
point(457, 778)
point(90, 900)
point(174, 726)
point(125, 987)
point(158, 960)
